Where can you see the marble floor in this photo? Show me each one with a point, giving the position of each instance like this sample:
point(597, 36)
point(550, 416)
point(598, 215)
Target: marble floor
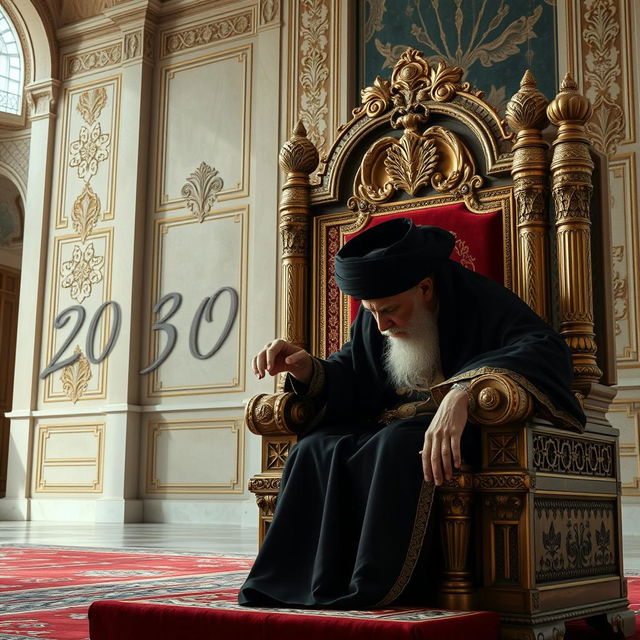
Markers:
point(175, 537)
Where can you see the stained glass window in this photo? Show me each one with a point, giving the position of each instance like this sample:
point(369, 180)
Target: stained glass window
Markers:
point(11, 67)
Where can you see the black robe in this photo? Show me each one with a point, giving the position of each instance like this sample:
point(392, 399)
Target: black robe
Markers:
point(350, 526)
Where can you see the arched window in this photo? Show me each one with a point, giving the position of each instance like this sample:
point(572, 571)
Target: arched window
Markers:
point(11, 67)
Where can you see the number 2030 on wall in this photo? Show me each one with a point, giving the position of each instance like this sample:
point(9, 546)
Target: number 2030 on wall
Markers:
point(171, 300)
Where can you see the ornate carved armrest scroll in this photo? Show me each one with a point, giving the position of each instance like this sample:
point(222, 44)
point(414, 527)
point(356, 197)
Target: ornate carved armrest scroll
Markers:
point(278, 414)
point(499, 400)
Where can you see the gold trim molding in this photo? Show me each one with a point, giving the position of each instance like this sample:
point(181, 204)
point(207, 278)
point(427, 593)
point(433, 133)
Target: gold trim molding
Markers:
point(163, 201)
point(155, 429)
point(154, 385)
point(42, 462)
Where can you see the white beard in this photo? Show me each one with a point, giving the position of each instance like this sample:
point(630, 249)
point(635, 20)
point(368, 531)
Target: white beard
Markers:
point(414, 360)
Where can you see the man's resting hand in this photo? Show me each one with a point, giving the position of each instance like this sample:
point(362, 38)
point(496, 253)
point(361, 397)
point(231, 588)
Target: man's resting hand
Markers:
point(279, 356)
point(442, 438)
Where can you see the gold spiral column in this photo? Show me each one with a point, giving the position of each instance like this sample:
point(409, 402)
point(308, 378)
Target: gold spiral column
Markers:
point(298, 159)
point(571, 170)
point(526, 115)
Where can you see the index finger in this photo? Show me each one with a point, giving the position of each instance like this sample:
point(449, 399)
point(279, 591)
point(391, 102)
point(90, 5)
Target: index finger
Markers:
point(274, 349)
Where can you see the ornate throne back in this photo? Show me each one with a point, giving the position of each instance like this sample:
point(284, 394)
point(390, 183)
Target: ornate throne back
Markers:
point(543, 512)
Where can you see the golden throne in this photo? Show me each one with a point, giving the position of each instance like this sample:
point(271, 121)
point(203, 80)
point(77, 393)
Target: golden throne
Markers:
point(535, 533)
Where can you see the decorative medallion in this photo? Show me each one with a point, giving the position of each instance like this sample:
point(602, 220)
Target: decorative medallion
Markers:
point(91, 148)
point(277, 453)
point(85, 213)
point(75, 377)
point(502, 448)
point(91, 104)
point(81, 272)
point(201, 190)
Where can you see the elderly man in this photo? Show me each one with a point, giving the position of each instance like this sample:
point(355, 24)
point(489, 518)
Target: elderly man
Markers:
point(351, 528)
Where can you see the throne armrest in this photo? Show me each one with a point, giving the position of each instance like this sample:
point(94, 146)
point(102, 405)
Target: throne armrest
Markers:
point(278, 414)
point(498, 399)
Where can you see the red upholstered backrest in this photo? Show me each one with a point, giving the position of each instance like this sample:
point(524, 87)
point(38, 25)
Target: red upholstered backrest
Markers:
point(479, 238)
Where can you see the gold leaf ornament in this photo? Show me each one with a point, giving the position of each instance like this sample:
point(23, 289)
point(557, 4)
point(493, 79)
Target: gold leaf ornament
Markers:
point(85, 213)
point(91, 104)
point(411, 162)
point(201, 190)
point(75, 377)
point(376, 99)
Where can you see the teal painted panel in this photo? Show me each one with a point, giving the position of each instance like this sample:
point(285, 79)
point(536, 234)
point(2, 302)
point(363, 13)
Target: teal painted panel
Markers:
point(494, 42)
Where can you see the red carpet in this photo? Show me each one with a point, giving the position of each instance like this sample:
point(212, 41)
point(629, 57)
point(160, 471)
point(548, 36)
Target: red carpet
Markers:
point(46, 592)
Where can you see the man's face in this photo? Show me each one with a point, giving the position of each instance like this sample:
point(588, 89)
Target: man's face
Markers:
point(395, 313)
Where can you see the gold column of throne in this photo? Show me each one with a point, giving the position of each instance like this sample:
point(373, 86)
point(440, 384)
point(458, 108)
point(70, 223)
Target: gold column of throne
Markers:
point(535, 533)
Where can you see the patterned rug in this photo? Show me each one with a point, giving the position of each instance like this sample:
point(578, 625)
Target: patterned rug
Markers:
point(45, 593)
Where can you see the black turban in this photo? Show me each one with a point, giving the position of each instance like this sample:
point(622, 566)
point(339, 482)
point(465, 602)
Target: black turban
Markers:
point(391, 258)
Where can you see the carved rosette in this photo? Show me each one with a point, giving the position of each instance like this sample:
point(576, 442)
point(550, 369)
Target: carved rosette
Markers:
point(298, 159)
point(571, 170)
point(526, 115)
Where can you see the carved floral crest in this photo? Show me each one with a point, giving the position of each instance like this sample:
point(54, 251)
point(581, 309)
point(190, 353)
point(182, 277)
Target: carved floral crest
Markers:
point(201, 190)
point(413, 81)
point(435, 157)
point(75, 377)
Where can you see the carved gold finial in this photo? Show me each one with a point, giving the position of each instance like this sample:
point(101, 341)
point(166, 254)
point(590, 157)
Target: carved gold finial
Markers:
point(300, 130)
point(527, 108)
point(569, 106)
point(528, 80)
point(299, 154)
point(568, 83)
